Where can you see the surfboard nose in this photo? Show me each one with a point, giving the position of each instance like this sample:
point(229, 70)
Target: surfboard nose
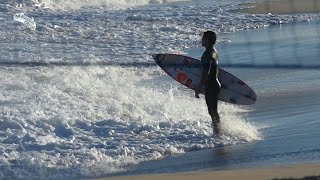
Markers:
point(154, 56)
point(159, 58)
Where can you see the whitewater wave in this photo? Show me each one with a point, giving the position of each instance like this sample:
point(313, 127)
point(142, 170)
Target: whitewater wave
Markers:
point(77, 4)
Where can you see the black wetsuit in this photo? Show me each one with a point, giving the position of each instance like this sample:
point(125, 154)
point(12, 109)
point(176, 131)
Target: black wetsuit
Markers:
point(209, 62)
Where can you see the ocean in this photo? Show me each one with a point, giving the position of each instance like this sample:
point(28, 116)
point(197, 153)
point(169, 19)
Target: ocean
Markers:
point(81, 96)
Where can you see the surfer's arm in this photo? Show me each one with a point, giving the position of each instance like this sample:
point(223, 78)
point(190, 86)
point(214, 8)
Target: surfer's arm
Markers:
point(204, 76)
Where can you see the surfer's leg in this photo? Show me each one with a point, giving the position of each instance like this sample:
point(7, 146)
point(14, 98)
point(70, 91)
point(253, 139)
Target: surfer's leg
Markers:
point(212, 103)
point(215, 120)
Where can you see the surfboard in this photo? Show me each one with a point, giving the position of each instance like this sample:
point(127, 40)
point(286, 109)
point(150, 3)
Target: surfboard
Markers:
point(187, 71)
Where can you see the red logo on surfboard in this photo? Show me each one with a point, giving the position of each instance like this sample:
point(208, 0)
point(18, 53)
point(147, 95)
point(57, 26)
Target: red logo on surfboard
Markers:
point(181, 76)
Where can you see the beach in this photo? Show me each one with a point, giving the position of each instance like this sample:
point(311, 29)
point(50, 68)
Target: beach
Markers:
point(283, 7)
point(277, 172)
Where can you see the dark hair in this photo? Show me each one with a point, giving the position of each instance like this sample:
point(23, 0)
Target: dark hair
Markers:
point(212, 36)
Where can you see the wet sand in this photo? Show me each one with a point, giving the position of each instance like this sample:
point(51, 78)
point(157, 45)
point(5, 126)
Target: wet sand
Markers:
point(281, 172)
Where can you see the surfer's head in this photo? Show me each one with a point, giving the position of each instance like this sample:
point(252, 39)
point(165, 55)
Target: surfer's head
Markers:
point(209, 38)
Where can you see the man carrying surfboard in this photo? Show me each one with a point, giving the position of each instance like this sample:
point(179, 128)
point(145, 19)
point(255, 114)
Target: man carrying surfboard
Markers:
point(209, 78)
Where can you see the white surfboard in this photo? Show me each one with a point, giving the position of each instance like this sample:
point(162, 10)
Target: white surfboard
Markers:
point(187, 71)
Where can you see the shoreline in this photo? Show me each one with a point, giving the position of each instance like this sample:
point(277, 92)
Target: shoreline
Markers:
point(299, 171)
point(282, 7)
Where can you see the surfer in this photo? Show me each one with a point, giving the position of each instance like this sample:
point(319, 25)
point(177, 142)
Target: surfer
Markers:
point(209, 78)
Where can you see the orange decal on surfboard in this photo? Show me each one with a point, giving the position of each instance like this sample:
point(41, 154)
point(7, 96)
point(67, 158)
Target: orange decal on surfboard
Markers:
point(181, 76)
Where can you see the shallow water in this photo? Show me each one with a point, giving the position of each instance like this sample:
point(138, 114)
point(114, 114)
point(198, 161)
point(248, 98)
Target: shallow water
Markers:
point(286, 111)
